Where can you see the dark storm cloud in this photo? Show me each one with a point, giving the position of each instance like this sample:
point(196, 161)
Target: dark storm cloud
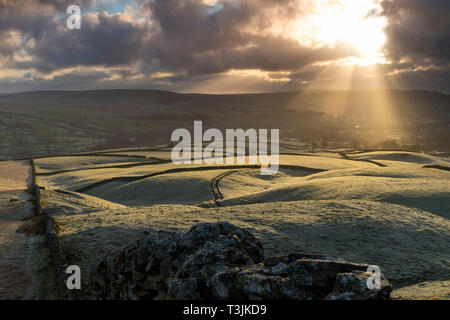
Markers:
point(25, 16)
point(195, 41)
point(184, 36)
point(103, 41)
point(418, 43)
point(192, 40)
point(418, 30)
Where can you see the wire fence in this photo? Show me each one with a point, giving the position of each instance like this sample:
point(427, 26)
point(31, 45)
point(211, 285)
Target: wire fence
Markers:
point(47, 193)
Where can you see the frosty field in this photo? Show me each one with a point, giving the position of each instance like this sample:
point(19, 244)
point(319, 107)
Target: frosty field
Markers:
point(385, 207)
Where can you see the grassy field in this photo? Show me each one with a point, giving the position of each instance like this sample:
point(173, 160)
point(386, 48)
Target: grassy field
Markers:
point(382, 208)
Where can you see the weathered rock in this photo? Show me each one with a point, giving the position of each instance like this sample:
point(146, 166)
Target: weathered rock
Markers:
point(353, 286)
point(210, 232)
point(183, 289)
point(221, 261)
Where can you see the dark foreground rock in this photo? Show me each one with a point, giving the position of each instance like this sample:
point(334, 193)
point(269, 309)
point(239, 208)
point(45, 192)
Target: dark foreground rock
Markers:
point(221, 261)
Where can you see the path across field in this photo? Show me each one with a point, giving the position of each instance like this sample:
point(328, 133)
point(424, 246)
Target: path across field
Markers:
point(23, 257)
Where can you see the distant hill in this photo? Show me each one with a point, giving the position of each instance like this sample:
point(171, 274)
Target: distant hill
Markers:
point(336, 102)
point(55, 122)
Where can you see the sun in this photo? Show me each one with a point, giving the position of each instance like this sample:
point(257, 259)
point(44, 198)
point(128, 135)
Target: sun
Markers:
point(358, 23)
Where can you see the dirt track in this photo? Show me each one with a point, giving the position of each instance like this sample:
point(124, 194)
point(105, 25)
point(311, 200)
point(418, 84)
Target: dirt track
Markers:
point(22, 257)
point(215, 187)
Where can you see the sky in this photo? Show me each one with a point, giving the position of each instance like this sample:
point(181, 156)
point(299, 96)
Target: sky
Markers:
point(226, 46)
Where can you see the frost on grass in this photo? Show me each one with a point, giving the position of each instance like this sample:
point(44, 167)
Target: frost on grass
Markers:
point(394, 216)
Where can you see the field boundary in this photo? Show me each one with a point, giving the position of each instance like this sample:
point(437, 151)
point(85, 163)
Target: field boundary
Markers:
point(118, 166)
point(177, 170)
point(57, 256)
point(174, 170)
point(435, 166)
point(346, 157)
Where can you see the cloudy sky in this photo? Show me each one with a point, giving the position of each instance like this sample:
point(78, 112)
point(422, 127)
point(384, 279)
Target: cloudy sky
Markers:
point(224, 46)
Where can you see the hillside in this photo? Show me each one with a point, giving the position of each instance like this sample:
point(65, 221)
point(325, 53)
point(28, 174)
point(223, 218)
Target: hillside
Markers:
point(64, 122)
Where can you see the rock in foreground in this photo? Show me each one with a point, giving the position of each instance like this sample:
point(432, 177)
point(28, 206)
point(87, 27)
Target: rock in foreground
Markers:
point(221, 261)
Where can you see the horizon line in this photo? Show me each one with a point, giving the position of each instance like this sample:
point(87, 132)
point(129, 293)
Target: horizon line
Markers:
point(224, 94)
